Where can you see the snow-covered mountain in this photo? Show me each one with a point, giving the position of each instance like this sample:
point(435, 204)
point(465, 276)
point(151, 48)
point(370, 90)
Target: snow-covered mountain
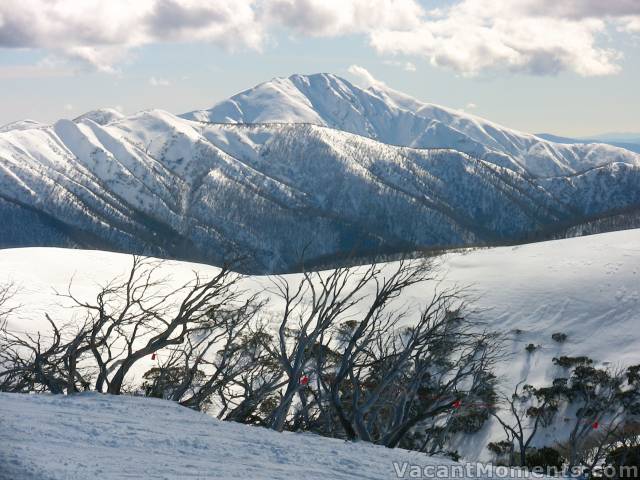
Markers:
point(164, 185)
point(21, 125)
point(395, 118)
point(102, 116)
point(632, 147)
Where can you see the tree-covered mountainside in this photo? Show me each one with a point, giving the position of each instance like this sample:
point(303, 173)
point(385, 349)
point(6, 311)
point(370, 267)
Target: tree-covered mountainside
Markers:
point(274, 193)
point(357, 173)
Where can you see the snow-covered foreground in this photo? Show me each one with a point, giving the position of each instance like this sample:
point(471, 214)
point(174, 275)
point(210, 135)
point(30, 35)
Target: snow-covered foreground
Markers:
point(105, 437)
point(587, 288)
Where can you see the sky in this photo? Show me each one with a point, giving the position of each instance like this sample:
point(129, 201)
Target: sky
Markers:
point(569, 67)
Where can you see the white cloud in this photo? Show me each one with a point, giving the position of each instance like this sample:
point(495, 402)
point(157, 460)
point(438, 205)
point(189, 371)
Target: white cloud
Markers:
point(470, 106)
point(101, 33)
point(576, 9)
point(341, 17)
point(159, 82)
point(68, 107)
point(476, 35)
point(468, 36)
point(629, 24)
point(364, 77)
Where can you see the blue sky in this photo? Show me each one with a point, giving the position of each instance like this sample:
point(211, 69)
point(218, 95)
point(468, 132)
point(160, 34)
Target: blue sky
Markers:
point(570, 70)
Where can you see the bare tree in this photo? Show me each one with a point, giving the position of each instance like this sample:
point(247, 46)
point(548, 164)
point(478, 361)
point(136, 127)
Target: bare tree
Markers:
point(399, 377)
point(311, 308)
point(129, 320)
point(28, 361)
point(31, 362)
point(354, 365)
point(343, 357)
point(139, 316)
point(252, 395)
point(526, 410)
point(623, 451)
point(7, 293)
point(212, 357)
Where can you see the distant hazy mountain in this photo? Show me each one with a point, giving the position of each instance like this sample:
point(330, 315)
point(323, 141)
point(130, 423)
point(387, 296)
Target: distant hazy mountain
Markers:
point(392, 117)
point(628, 137)
point(21, 125)
point(276, 193)
point(634, 147)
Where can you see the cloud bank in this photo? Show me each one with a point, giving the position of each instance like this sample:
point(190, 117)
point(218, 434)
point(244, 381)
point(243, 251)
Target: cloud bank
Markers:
point(469, 36)
point(101, 33)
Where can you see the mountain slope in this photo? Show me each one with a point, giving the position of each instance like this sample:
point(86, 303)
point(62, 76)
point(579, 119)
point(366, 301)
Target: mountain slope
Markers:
point(392, 117)
point(584, 287)
point(159, 184)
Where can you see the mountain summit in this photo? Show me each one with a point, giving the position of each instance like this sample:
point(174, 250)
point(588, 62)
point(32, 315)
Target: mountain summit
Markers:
point(395, 118)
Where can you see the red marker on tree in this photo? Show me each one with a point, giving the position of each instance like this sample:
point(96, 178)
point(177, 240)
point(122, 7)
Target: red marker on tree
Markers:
point(153, 356)
point(456, 404)
point(304, 380)
point(595, 425)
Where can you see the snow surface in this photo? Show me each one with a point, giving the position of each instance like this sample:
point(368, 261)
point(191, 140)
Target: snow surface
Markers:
point(586, 287)
point(110, 438)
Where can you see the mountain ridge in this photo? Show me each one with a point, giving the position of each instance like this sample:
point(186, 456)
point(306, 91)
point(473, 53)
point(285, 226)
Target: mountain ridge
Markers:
point(395, 118)
point(279, 194)
point(632, 147)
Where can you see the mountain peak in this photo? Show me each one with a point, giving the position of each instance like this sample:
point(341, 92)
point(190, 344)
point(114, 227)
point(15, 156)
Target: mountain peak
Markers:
point(25, 124)
point(101, 116)
point(393, 117)
point(320, 76)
